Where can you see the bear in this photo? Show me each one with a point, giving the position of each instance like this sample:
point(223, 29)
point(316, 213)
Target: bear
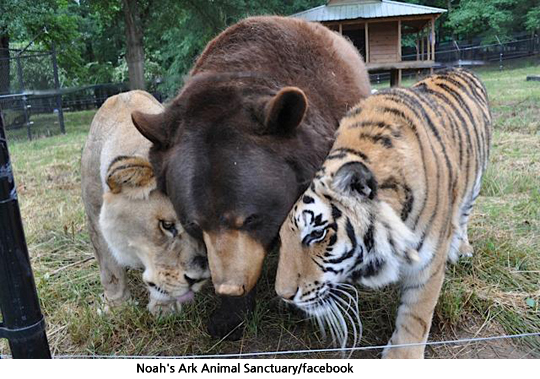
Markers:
point(244, 137)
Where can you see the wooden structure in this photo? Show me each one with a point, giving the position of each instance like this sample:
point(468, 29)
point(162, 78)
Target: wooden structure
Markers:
point(376, 28)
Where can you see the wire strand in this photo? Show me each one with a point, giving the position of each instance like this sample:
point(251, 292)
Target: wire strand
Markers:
point(292, 352)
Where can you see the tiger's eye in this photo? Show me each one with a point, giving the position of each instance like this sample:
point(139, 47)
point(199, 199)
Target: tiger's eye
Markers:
point(317, 233)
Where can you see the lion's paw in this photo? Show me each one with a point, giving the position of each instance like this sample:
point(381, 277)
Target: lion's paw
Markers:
point(164, 308)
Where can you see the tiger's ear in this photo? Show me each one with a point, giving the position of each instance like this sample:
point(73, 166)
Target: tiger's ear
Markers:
point(285, 111)
point(131, 176)
point(152, 127)
point(356, 179)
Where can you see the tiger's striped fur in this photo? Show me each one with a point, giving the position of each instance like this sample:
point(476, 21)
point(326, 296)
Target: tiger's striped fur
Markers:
point(390, 203)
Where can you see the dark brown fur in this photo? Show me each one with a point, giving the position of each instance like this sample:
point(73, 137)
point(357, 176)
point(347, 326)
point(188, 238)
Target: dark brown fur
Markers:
point(245, 135)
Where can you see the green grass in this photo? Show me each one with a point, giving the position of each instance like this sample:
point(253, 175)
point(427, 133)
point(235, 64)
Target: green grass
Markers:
point(47, 125)
point(495, 292)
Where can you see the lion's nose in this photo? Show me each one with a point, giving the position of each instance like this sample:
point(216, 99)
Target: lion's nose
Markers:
point(192, 281)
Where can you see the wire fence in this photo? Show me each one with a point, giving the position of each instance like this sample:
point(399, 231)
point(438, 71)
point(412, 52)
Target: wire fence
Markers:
point(281, 353)
point(471, 54)
point(30, 101)
point(33, 104)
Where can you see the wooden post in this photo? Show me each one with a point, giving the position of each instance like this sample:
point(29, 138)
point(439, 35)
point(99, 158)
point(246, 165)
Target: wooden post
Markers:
point(433, 39)
point(428, 47)
point(422, 39)
point(417, 46)
point(340, 28)
point(367, 43)
point(399, 41)
point(395, 77)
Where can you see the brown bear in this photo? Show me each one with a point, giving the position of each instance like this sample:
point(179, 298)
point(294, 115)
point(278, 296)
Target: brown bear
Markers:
point(244, 137)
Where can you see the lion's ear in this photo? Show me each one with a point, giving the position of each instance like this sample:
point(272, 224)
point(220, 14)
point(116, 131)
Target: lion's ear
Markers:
point(152, 127)
point(131, 176)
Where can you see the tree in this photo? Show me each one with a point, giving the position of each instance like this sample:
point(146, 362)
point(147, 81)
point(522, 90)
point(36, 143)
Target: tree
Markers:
point(42, 22)
point(134, 44)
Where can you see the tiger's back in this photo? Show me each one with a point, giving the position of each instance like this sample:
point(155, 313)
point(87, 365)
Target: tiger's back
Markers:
point(392, 200)
point(445, 130)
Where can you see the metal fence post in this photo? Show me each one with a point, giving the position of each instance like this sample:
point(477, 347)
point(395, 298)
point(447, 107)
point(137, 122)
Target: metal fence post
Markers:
point(57, 87)
point(21, 85)
point(23, 324)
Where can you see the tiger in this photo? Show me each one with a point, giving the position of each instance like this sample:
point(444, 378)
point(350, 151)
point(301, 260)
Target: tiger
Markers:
point(390, 203)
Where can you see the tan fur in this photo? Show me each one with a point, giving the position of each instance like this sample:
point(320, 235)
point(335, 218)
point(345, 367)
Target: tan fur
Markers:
point(125, 210)
point(420, 155)
point(224, 259)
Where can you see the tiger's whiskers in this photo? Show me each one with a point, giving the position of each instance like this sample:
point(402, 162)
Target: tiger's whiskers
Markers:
point(334, 312)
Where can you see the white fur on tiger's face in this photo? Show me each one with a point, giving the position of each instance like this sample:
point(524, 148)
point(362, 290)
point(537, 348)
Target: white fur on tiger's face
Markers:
point(390, 204)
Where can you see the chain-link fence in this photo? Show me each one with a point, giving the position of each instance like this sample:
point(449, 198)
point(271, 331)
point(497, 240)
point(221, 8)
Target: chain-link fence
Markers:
point(30, 98)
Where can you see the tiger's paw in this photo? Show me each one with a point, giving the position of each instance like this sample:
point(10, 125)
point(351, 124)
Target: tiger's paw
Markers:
point(466, 250)
point(392, 351)
point(412, 352)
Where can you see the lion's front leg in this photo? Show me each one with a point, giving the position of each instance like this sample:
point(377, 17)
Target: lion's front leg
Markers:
point(418, 299)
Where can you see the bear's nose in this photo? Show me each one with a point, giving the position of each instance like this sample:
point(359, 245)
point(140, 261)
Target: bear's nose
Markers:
point(288, 293)
point(192, 281)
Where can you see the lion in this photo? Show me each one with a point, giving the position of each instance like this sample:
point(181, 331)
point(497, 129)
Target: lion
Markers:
point(131, 223)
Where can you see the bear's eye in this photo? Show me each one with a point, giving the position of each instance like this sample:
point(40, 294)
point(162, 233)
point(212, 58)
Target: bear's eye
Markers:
point(314, 236)
point(250, 221)
point(169, 227)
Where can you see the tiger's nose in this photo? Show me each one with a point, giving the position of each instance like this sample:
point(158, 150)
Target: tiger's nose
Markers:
point(192, 281)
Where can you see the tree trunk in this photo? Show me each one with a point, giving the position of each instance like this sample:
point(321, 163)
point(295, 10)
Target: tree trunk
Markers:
point(135, 48)
point(4, 62)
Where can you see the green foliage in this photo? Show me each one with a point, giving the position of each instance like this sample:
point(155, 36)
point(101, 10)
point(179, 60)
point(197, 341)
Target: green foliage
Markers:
point(192, 23)
point(90, 39)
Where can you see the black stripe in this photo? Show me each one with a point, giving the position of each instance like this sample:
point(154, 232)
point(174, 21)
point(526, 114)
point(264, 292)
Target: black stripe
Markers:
point(378, 138)
point(353, 112)
point(408, 203)
point(351, 233)
point(340, 153)
point(369, 235)
point(307, 199)
point(336, 213)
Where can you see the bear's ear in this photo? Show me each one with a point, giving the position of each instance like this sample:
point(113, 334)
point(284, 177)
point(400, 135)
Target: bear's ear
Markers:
point(354, 178)
point(285, 111)
point(152, 127)
point(131, 176)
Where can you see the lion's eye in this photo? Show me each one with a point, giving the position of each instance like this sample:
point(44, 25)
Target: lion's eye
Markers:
point(314, 236)
point(169, 227)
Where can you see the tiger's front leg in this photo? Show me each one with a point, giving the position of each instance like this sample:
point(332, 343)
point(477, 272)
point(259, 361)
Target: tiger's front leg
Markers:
point(418, 299)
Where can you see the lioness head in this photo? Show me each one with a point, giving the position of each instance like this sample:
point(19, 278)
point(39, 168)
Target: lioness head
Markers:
point(142, 230)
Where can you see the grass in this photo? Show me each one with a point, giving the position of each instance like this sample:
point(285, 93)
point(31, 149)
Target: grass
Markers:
point(495, 292)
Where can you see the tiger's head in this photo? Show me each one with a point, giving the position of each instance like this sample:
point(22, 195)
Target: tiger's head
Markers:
point(340, 231)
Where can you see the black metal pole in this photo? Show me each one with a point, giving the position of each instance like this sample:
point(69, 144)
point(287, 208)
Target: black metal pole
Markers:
point(57, 87)
point(24, 105)
point(23, 324)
